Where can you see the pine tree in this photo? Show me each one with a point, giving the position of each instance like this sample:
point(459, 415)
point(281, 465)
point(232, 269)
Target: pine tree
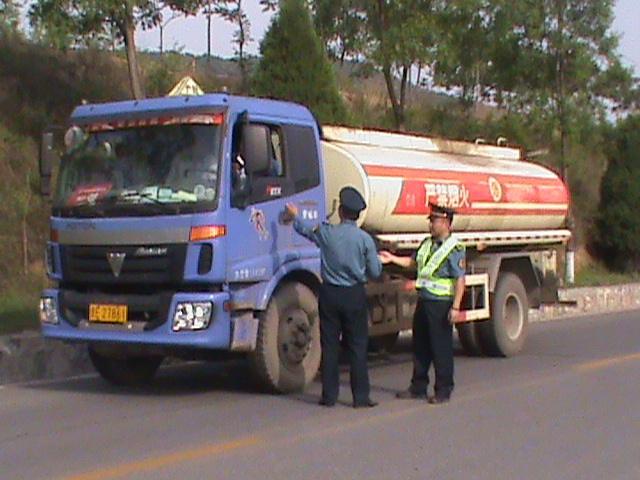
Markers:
point(618, 223)
point(294, 65)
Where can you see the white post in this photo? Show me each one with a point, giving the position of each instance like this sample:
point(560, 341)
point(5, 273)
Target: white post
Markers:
point(570, 272)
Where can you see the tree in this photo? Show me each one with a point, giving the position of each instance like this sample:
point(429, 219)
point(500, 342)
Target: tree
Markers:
point(393, 36)
point(208, 11)
point(552, 58)
point(618, 223)
point(402, 33)
point(570, 58)
point(86, 19)
point(340, 25)
point(474, 42)
point(231, 11)
point(9, 15)
point(294, 65)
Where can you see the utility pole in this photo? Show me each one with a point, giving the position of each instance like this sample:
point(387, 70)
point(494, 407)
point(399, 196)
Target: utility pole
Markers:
point(209, 12)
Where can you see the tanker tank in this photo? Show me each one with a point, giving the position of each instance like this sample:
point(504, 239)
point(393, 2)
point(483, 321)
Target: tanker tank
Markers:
point(490, 187)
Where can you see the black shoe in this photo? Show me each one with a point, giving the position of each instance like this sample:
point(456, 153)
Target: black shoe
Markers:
point(410, 394)
point(325, 403)
point(368, 404)
point(436, 400)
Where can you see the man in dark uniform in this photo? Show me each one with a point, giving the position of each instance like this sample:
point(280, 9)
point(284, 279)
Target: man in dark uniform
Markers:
point(440, 265)
point(348, 260)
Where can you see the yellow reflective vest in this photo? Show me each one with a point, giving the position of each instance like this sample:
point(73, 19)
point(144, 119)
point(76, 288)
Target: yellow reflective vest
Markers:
point(429, 263)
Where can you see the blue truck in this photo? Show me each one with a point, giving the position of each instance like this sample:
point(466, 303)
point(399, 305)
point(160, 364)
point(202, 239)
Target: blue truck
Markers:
point(168, 238)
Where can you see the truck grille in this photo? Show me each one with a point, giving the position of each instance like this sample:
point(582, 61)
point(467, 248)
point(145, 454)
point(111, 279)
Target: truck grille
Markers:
point(123, 265)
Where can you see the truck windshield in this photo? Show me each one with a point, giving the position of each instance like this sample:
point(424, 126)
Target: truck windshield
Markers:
point(168, 169)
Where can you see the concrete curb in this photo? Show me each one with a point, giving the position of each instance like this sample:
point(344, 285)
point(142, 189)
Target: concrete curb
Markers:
point(28, 356)
point(582, 301)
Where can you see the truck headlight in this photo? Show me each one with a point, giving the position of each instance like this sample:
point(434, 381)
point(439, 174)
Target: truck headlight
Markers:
point(192, 316)
point(48, 311)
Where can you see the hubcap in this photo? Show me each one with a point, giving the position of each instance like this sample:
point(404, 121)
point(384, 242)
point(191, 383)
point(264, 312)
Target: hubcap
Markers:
point(295, 335)
point(513, 317)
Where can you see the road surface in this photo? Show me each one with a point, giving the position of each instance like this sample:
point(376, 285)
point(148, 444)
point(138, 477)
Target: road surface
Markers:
point(568, 407)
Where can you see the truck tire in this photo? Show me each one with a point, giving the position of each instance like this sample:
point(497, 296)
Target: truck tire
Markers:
point(469, 338)
point(505, 333)
point(287, 354)
point(125, 370)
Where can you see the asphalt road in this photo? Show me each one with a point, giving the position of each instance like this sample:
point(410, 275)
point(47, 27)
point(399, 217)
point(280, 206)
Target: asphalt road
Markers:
point(567, 408)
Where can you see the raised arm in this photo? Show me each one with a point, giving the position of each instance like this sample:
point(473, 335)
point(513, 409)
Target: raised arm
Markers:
point(389, 258)
point(304, 228)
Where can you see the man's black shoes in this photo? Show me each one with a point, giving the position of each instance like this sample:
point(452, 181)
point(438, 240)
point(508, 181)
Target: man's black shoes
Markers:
point(326, 403)
point(411, 394)
point(367, 404)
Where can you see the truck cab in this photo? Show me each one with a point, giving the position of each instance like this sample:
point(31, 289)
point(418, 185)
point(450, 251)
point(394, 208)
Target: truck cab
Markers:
point(167, 236)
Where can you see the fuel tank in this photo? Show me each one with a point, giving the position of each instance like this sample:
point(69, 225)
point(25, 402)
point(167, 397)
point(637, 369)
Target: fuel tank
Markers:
point(491, 188)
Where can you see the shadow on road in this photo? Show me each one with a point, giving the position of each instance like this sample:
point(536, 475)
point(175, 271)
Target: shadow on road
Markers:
point(229, 376)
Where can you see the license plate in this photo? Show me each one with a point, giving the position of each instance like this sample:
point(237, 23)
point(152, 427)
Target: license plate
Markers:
point(107, 313)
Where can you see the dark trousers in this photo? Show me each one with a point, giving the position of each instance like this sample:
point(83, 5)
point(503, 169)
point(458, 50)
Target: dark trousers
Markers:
point(432, 343)
point(344, 310)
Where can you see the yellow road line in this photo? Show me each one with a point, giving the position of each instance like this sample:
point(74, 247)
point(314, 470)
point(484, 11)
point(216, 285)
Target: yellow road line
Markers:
point(155, 463)
point(607, 362)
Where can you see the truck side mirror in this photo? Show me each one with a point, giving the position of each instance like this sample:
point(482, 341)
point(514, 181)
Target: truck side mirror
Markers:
point(254, 148)
point(48, 157)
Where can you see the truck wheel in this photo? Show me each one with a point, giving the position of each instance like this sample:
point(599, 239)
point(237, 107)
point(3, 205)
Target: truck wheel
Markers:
point(125, 370)
point(287, 354)
point(505, 333)
point(469, 338)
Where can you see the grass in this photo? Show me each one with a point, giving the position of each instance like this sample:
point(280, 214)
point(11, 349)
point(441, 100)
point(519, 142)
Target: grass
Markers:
point(595, 275)
point(19, 308)
point(18, 312)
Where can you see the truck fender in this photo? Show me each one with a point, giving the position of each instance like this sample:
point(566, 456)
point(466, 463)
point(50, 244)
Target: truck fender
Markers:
point(302, 270)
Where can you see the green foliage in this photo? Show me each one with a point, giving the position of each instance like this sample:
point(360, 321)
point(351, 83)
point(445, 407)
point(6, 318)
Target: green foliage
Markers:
point(18, 307)
point(22, 214)
point(618, 221)
point(163, 73)
point(596, 274)
point(340, 27)
point(40, 86)
point(9, 17)
point(294, 65)
point(392, 36)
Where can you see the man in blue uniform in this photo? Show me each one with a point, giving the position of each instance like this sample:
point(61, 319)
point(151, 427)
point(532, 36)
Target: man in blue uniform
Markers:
point(348, 260)
point(440, 265)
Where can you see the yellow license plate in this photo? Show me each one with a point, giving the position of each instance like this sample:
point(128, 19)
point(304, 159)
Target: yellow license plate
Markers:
point(107, 313)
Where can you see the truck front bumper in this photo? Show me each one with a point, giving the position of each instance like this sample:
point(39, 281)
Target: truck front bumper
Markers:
point(159, 331)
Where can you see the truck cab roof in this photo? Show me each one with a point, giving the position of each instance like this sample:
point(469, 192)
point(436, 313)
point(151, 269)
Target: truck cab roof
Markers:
point(91, 113)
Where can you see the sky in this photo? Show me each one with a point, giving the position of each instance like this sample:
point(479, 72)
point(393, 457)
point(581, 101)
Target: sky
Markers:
point(190, 34)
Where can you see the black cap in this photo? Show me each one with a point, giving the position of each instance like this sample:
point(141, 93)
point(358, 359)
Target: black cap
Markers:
point(351, 199)
point(442, 212)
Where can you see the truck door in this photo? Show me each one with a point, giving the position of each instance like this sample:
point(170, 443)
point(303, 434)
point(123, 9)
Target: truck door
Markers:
point(256, 233)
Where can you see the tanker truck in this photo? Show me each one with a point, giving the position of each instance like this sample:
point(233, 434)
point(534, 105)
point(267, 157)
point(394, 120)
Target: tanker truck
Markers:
point(167, 234)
